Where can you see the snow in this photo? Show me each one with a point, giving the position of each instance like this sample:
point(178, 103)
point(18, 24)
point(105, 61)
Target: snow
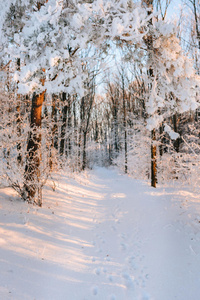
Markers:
point(173, 135)
point(101, 235)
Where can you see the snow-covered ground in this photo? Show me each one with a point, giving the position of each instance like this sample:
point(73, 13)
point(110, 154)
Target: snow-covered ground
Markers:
point(101, 236)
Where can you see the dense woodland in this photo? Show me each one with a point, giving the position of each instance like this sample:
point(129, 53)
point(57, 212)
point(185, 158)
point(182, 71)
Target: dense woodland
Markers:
point(87, 83)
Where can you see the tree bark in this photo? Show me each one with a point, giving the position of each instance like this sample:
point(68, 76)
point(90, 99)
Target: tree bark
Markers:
point(153, 159)
point(125, 128)
point(69, 125)
point(54, 131)
point(177, 141)
point(18, 108)
point(63, 127)
point(85, 131)
point(32, 169)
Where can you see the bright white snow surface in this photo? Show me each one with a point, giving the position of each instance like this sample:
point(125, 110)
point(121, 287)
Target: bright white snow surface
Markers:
point(101, 235)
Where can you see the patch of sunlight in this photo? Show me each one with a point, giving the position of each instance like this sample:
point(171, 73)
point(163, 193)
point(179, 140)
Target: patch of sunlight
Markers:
point(78, 191)
point(8, 192)
point(2, 241)
point(159, 193)
point(58, 236)
point(84, 180)
point(79, 217)
point(80, 226)
point(189, 195)
point(66, 254)
point(118, 195)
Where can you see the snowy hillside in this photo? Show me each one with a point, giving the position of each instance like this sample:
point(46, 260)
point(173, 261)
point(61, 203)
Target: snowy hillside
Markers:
point(101, 236)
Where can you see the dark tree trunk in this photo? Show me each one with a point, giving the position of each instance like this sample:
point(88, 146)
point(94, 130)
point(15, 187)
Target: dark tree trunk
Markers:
point(84, 150)
point(55, 121)
point(79, 147)
point(69, 125)
point(63, 127)
point(161, 140)
point(85, 132)
point(116, 144)
point(153, 159)
point(177, 141)
point(19, 156)
point(125, 128)
point(54, 130)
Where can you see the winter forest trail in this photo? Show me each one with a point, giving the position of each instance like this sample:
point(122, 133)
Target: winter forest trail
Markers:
point(101, 236)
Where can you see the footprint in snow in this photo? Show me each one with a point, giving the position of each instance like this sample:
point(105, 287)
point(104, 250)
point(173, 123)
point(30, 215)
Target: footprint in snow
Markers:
point(123, 247)
point(123, 236)
point(110, 278)
point(128, 280)
point(94, 290)
point(113, 228)
point(98, 271)
point(131, 261)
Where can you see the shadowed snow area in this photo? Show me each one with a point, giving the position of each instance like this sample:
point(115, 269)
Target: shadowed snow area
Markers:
point(101, 235)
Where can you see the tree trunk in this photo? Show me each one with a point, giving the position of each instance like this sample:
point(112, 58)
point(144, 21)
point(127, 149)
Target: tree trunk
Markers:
point(54, 134)
point(177, 141)
point(85, 131)
point(18, 108)
point(125, 127)
point(79, 147)
point(69, 124)
point(153, 159)
point(84, 150)
point(32, 184)
point(116, 145)
point(63, 127)
point(55, 120)
point(161, 131)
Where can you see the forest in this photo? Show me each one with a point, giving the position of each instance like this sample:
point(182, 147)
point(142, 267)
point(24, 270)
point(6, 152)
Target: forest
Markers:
point(98, 83)
point(99, 149)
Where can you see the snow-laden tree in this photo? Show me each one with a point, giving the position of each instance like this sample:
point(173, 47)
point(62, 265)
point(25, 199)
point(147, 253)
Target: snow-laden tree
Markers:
point(175, 83)
point(170, 78)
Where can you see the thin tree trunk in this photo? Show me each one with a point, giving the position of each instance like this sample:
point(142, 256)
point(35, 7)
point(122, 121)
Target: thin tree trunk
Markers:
point(91, 99)
point(79, 147)
point(84, 150)
point(18, 108)
point(125, 128)
point(116, 146)
point(177, 141)
point(63, 127)
point(55, 120)
point(153, 159)
point(53, 130)
point(69, 124)
point(161, 140)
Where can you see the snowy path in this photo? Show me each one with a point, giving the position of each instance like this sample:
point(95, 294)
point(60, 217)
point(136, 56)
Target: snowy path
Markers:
point(103, 236)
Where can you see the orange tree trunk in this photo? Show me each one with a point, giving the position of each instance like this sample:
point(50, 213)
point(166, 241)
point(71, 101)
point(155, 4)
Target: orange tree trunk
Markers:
point(32, 168)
